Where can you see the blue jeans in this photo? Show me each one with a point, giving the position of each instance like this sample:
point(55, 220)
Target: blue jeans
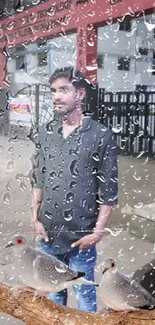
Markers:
point(83, 261)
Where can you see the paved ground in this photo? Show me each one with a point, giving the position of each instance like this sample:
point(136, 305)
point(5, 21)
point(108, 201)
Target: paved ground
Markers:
point(129, 238)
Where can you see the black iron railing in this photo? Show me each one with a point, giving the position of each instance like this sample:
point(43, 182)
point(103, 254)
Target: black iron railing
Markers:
point(131, 116)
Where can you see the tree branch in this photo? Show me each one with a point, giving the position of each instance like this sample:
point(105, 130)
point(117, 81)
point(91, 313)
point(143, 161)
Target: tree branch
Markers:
point(45, 312)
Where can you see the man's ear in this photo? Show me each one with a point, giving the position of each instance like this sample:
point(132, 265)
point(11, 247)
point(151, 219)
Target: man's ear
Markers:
point(81, 93)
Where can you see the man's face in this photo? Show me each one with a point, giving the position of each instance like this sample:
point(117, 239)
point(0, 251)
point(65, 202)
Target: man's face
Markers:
point(64, 96)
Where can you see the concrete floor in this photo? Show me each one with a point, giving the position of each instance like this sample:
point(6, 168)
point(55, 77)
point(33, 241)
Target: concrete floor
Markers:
point(128, 238)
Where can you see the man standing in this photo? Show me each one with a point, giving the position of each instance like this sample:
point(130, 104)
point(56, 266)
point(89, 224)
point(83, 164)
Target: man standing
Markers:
point(74, 183)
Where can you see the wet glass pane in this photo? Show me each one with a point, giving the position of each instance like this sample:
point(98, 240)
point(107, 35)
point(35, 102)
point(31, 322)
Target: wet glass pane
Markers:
point(62, 134)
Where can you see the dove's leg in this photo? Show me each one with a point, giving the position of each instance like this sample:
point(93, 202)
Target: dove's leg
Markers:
point(122, 313)
point(119, 314)
point(40, 296)
point(85, 261)
point(17, 290)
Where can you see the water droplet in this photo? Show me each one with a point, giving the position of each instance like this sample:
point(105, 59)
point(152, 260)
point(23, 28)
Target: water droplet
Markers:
point(95, 156)
point(69, 197)
point(91, 68)
point(149, 26)
point(88, 192)
point(94, 171)
point(110, 108)
point(19, 157)
point(49, 200)
point(11, 149)
point(13, 139)
point(2, 113)
point(52, 174)
point(12, 156)
point(137, 178)
point(35, 2)
point(132, 32)
point(48, 214)
point(74, 168)
point(10, 166)
point(23, 186)
point(56, 205)
point(90, 207)
point(114, 233)
point(91, 14)
point(8, 186)
point(68, 214)
point(60, 174)
point(20, 223)
point(19, 177)
point(73, 185)
point(83, 202)
point(10, 26)
point(51, 12)
point(56, 188)
point(138, 205)
point(117, 129)
point(6, 198)
point(141, 154)
point(101, 177)
point(1, 149)
point(82, 218)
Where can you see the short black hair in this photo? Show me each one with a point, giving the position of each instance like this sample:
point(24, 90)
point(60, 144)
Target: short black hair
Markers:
point(74, 76)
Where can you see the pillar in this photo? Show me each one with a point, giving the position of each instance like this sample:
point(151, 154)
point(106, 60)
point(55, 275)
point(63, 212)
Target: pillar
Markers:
point(3, 84)
point(4, 113)
point(87, 63)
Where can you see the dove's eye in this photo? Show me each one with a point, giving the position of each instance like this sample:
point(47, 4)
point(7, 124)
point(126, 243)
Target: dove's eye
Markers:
point(19, 241)
point(112, 264)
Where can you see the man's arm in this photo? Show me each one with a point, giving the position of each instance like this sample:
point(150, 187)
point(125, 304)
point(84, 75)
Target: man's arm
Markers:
point(108, 190)
point(108, 183)
point(37, 196)
point(37, 181)
point(103, 217)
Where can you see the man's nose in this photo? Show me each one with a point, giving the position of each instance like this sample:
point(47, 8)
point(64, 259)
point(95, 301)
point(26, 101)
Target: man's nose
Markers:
point(57, 95)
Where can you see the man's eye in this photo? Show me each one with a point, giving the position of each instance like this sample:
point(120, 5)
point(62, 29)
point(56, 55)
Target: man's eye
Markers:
point(64, 90)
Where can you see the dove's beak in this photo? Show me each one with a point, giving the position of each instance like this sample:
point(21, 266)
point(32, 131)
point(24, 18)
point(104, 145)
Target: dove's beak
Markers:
point(9, 245)
point(104, 270)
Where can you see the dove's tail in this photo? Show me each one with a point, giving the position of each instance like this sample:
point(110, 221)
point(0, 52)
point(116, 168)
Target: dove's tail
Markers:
point(80, 275)
point(80, 280)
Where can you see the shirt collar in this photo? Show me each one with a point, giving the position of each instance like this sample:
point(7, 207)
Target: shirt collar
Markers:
point(86, 124)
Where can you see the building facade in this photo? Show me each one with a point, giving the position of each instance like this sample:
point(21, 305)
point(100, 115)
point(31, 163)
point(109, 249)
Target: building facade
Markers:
point(126, 55)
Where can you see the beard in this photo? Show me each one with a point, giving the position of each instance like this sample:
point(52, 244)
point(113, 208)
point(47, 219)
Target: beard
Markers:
point(64, 110)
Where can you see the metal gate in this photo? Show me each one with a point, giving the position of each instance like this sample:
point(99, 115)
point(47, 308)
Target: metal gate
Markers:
point(131, 117)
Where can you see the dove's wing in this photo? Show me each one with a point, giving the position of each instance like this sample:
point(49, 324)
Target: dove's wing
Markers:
point(49, 269)
point(134, 294)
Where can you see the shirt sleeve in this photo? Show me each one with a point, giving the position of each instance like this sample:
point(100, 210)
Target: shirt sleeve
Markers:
point(108, 171)
point(38, 171)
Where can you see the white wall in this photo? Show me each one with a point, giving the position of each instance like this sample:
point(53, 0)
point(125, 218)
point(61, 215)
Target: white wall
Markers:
point(112, 43)
point(31, 58)
point(63, 52)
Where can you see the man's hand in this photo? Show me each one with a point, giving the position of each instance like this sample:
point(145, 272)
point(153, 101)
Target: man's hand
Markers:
point(87, 241)
point(39, 229)
point(37, 226)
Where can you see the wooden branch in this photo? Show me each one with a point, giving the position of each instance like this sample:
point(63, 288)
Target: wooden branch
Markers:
point(44, 312)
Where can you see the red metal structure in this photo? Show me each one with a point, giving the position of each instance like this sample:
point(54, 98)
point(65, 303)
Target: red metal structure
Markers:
point(59, 17)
